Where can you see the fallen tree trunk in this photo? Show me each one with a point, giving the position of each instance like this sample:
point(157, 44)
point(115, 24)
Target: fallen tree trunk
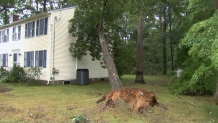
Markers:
point(138, 99)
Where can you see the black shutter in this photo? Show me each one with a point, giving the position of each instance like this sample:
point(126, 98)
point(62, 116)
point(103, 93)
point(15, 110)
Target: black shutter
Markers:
point(26, 35)
point(46, 26)
point(25, 61)
point(37, 28)
point(7, 35)
point(36, 59)
point(33, 28)
point(44, 58)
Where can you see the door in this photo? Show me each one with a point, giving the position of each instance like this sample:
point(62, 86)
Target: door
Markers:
point(16, 57)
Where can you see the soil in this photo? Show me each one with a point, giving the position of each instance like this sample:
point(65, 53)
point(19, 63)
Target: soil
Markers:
point(137, 98)
point(3, 89)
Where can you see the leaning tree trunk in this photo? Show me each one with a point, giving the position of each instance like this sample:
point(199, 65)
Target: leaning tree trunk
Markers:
point(164, 62)
point(112, 71)
point(139, 63)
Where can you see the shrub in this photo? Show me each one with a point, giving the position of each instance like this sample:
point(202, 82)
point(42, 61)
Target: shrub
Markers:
point(79, 119)
point(33, 75)
point(17, 74)
point(4, 80)
point(3, 71)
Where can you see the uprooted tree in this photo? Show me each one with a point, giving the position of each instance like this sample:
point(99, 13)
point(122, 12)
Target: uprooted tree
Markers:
point(96, 30)
point(138, 99)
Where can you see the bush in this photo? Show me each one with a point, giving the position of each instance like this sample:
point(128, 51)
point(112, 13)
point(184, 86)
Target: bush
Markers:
point(17, 74)
point(79, 119)
point(33, 75)
point(3, 71)
point(4, 80)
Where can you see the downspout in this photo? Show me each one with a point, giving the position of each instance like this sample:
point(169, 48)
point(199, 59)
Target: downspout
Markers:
point(76, 63)
point(55, 19)
point(48, 55)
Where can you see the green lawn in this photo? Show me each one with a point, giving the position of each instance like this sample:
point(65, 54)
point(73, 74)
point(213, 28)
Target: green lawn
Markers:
point(56, 104)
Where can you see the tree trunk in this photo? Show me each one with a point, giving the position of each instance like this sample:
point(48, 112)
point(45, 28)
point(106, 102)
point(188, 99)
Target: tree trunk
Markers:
point(171, 42)
point(164, 72)
point(44, 6)
point(6, 18)
point(216, 94)
point(112, 71)
point(37, 5)
point(215, 4)
point(139, 63)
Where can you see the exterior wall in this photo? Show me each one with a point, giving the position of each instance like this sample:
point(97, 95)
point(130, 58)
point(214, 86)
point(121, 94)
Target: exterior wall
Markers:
point(24, 45)
point(95, 69)
point(63, 59)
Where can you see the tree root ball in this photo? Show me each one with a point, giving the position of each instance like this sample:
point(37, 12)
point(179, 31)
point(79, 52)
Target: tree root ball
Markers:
point(137, 98)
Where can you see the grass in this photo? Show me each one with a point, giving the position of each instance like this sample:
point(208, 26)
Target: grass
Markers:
point(56, 104)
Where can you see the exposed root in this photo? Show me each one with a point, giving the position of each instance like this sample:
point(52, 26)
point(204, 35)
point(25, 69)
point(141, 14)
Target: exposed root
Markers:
point(137, 98)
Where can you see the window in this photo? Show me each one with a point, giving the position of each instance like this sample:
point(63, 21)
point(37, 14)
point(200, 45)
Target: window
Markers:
point(16, 33)
point(41, 28)
point(40, 58)
point(4, 60)
point(29, 59)
point(4, 35)
point(29, 29)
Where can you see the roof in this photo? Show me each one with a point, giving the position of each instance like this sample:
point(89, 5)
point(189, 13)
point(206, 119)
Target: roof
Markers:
point(41, 15)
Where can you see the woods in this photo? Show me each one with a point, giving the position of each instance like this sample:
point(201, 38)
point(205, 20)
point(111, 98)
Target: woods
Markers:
point(141, 38)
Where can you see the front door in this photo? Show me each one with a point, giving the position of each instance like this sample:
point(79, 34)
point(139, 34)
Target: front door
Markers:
point(16, 57)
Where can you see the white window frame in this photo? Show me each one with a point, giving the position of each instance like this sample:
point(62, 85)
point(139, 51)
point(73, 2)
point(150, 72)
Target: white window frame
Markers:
point(2, 60)
point(5, 35)
point(43, 58)
point(16, 33)
point(30, 59)
point(40, 25)
point(30, 31)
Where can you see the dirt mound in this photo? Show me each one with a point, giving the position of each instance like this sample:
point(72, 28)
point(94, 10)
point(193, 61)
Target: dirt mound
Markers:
point(3, 89)
point(137, 98)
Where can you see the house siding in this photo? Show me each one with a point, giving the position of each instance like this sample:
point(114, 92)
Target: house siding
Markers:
point(24, 45)
point(63, 59)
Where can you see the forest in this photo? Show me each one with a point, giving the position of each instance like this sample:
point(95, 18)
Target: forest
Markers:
point(161, 57)
point(156, 37)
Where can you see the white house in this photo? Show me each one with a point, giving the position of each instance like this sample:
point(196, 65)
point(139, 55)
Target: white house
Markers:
point(43, 41)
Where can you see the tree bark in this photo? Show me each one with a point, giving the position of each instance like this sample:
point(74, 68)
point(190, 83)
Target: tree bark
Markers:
point(37, 5)
point(164, 71)
point(112, 71)
point(139, 63)
point(171, 42)
point(44, 6)
point(215, 4)
point(216, 94)
point(6, 18)
point(108, 60)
